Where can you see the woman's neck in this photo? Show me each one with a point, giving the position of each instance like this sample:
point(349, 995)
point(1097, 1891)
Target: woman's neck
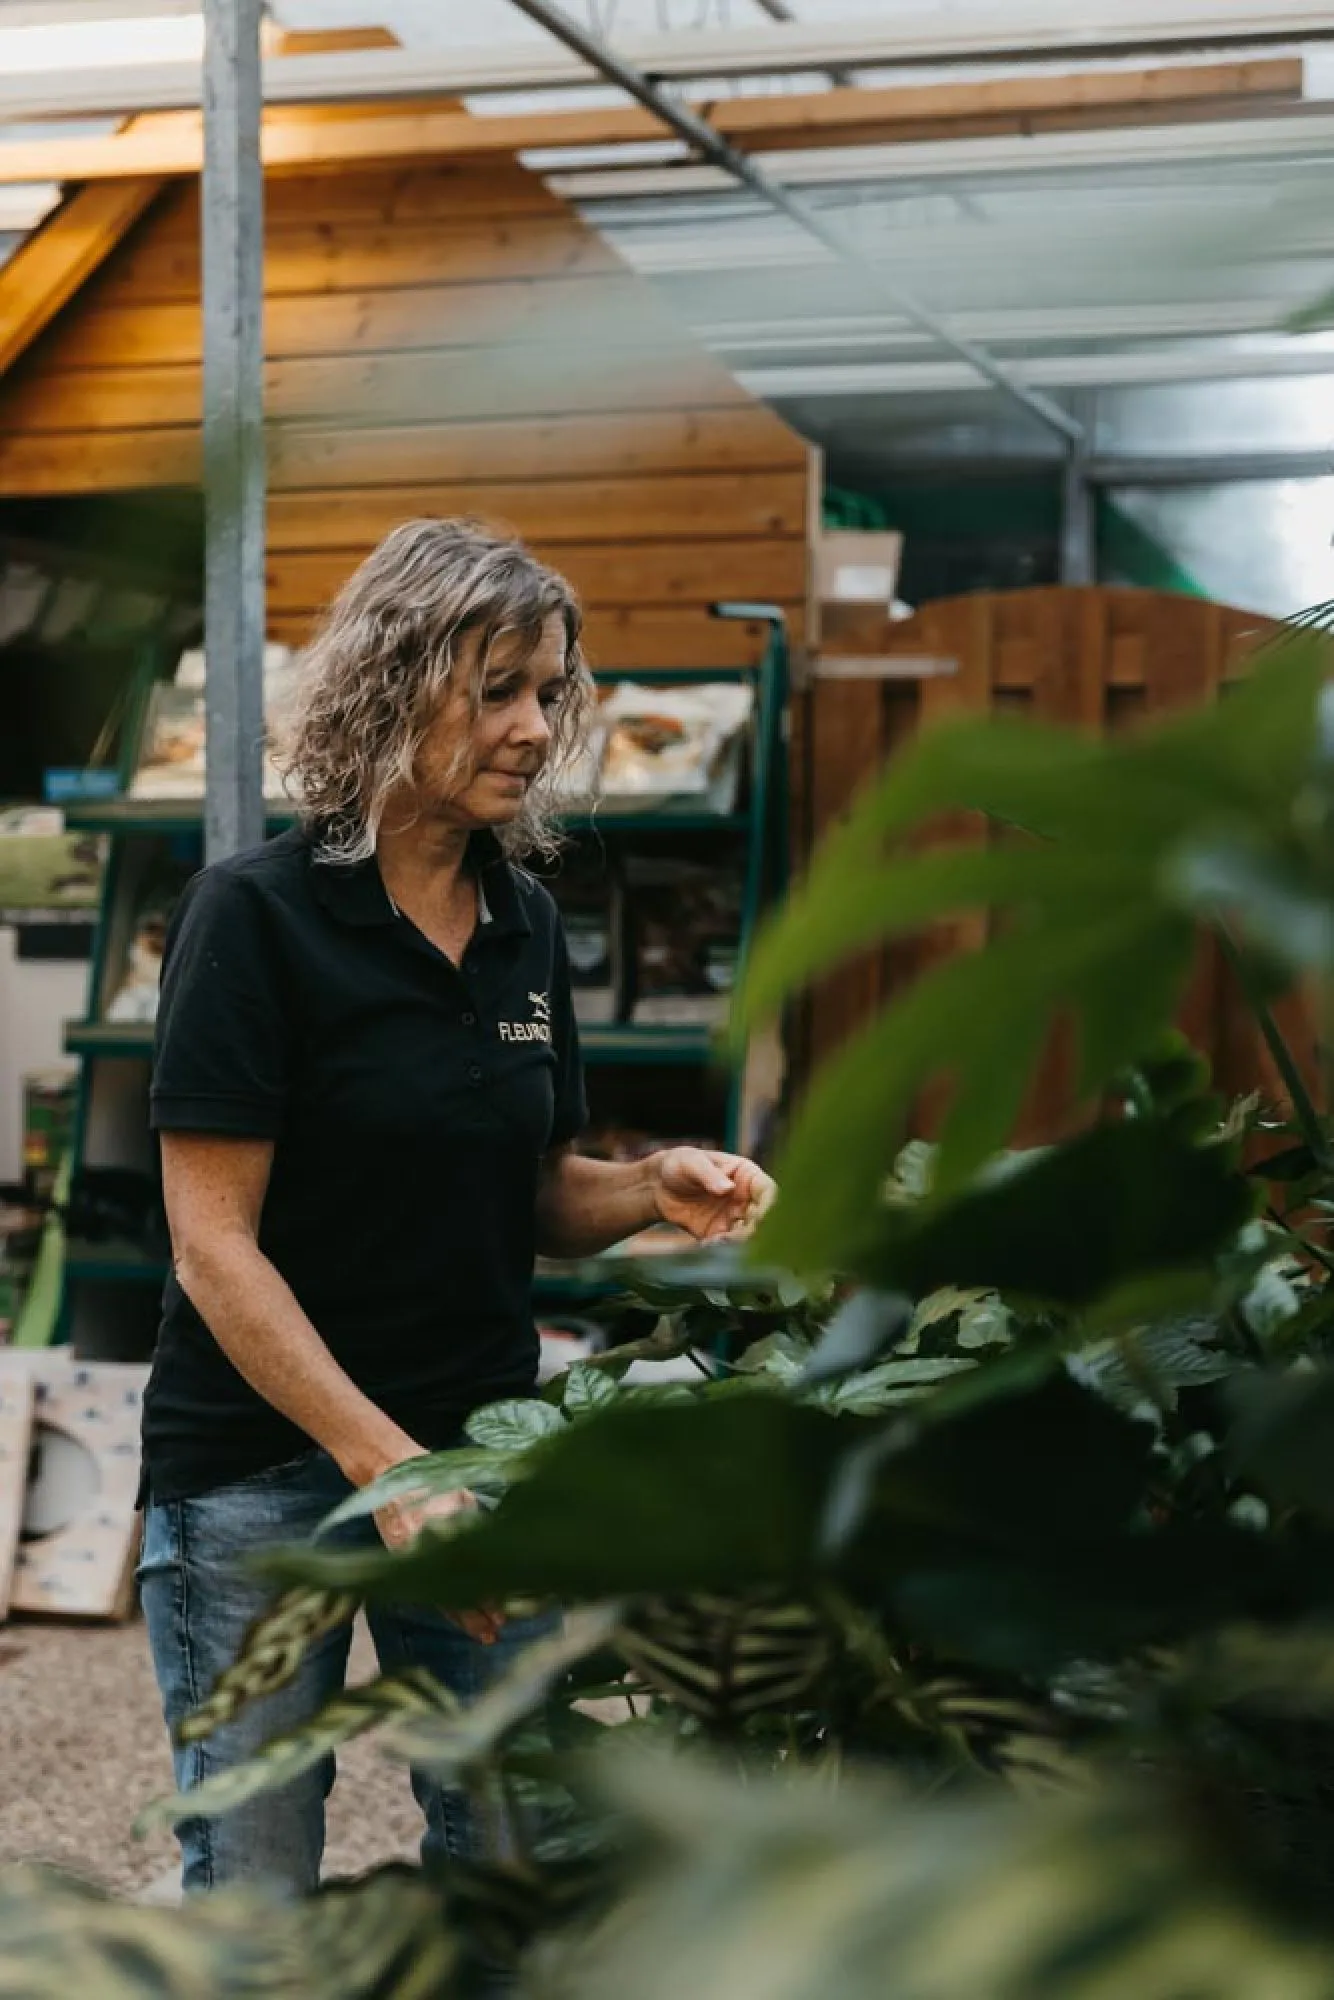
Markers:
point(422, 861)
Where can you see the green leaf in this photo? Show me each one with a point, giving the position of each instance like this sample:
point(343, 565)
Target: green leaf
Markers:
point(785, 1355)
point(1286, 1672)
point(1313, 318)
point(514, 1426)
point(688, 1277)
point(1121, 1202)
point(712, 1495)
point(791, 1886)
point(976, 1018)
point(1283, 1438)
point(385, 1937)
point(347, 1716)
point(726, 1659)
point(479, 1471)
point(587, 1389)
point(1270, 1303)
point(863, 1327)
point(984, 1476)
point(1152, 1365)
point(1275, 903)
point(1121, 1014)
point(914, 1172)
point(873, 1391)
point(985, 1322)
point(841, 913)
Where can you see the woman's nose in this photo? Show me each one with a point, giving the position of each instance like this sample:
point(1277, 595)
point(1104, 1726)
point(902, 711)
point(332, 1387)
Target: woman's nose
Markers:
point(531, 723)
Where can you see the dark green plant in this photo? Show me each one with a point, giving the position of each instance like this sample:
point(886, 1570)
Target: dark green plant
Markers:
point(970, 1625)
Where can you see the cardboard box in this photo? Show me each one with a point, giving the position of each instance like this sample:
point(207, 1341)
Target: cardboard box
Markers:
point(858, 566)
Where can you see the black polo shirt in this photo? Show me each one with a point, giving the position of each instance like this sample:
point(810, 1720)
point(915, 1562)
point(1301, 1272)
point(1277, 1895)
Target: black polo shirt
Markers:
point(410, 1103)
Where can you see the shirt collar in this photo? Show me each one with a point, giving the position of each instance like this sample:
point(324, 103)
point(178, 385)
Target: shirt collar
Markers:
point(355, 893)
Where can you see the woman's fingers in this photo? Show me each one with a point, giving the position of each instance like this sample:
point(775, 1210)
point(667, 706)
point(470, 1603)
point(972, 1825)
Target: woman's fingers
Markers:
point(483, 1626)
point(401, 1521)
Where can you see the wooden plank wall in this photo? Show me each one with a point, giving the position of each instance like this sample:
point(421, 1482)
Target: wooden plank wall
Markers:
point(445, 338)
point(1095, 659)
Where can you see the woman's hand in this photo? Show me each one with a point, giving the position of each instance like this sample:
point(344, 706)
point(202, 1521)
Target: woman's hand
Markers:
point(717, 1197)
point(401, 1521)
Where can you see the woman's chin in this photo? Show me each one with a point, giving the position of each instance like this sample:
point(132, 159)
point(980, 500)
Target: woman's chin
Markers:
point(487, 802)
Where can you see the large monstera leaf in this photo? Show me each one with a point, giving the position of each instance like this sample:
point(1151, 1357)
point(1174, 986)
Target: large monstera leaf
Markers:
point(1104, 858)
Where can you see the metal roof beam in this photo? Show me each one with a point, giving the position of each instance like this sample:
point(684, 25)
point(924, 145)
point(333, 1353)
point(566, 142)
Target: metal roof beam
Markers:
point(1031, 31)
point(826, 229)
point(1051, 371)
point(1303, 134)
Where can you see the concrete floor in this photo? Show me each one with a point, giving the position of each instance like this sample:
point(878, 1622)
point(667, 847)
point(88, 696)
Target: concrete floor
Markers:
point(83, 1750)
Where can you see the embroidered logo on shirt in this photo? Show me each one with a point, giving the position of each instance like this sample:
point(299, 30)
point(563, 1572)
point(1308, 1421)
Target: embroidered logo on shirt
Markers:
point(536, 1030)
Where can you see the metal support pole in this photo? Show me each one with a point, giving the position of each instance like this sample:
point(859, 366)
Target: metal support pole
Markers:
point(1079, 521)
point(824, 227)
point(232, 221)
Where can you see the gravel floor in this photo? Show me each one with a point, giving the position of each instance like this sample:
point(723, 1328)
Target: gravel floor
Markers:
point(82, 1749)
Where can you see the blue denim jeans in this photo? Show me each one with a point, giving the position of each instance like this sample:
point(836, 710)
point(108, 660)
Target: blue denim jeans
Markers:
point(199, 1599)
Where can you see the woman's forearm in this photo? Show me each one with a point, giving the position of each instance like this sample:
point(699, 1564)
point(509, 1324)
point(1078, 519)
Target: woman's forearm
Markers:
point(584, 1206)
point(254, 1316)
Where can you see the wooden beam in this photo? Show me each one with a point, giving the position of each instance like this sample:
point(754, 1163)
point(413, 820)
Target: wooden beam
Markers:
point(875, 117)
point(169, 143)
point(315, 457)
point(50, 267)
point(324, 41)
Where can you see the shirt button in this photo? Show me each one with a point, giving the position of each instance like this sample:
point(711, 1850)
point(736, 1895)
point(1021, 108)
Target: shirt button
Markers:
point(474, 1072)
point(470, 1020)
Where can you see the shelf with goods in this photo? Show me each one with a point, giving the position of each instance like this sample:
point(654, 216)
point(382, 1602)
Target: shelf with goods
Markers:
point(154, 844)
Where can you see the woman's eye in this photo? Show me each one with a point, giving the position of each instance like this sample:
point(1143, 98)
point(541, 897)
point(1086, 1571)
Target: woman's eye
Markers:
point(497, 692)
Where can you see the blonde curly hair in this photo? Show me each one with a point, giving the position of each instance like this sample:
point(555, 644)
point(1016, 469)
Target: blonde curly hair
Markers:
point(387, 651)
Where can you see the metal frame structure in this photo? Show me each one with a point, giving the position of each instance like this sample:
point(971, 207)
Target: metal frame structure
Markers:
point(234, 83)
point(232, 222)
point(1306, 133)
point(1031, 31)
point(1078, 558)
point(826, 229)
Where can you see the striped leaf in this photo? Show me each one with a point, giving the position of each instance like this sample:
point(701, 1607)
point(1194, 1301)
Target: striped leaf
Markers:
point(502, 1906)
point(450, 1743)
point(270, 1654)
point(725, 1658)
point(350, 1714)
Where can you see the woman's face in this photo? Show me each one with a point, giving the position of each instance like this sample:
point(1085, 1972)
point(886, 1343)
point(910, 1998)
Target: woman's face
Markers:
point(508, 740)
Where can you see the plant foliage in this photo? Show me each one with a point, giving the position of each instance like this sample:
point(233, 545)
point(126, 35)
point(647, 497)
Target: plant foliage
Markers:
point(964, 1625)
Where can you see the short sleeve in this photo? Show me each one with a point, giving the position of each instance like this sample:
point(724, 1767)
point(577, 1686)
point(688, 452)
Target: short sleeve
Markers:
point(571, 1100)
point(221, 1059)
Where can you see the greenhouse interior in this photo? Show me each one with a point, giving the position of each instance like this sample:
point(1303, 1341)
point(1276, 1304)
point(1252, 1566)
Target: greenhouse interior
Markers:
point(742, 591)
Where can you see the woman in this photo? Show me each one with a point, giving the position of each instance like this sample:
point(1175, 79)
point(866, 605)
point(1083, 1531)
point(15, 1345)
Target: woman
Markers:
point(366, 1086)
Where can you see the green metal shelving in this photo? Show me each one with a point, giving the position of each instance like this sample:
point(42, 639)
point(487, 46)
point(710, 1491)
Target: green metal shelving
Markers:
point(761, 828)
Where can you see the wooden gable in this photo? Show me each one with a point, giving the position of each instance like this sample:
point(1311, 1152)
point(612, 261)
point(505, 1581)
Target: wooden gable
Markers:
point(444, 339)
